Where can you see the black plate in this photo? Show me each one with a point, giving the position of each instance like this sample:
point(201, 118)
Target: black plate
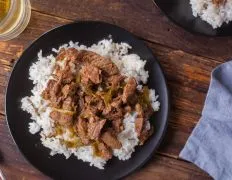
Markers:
point(19, 86)
point(180, 12)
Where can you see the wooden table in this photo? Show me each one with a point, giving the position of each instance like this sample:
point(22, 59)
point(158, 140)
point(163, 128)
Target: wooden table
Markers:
point(187, 60)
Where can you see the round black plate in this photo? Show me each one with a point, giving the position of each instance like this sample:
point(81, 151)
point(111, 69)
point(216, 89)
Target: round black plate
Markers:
point(180, 12)
point(19, 86)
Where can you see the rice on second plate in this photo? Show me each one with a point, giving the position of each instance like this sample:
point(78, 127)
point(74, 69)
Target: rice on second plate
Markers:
point(130, 65)
point(214, 12)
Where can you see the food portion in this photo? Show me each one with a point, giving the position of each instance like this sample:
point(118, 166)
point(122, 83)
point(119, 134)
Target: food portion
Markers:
point(91, 102)
point(214, 12)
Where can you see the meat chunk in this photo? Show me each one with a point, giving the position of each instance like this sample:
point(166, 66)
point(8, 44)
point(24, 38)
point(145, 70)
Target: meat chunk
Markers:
point(69, 54)
point(95, 103)
point(92, 73)
point(56, 101)
point(106, 66)
point(61, 55)
point(112, 113)
point(117, 125)
point(116, 102)
point(104, 151)
point(139, 110)
point(89, 111)
point(88, 99)
point(111, 140)
point(88, 56)
point(69, 89)
point(69, 104)
point(129, 90)
point(67, 76)
point(115, 80)
point(82, 127)
point(94, 129)
point(145, 134)
point(46, 92)
point(55, 95)
point(139, 125)
point(139, 122)
point(61, 118)
point(98, 61)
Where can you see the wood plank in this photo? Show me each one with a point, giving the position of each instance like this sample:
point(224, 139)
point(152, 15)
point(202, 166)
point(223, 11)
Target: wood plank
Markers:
point(142, 18)
point(16, 167)
point(160, 168)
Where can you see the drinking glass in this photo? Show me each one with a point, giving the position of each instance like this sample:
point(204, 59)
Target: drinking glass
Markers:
point(14, 18)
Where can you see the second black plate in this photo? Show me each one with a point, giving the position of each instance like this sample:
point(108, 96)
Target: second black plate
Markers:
point(180, 12)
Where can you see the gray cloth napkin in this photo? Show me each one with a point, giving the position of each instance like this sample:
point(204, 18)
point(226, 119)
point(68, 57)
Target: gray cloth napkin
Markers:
point(210, 144)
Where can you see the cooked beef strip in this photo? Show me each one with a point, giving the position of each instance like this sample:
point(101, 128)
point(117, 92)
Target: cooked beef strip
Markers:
point(69, 104)
point(145, 134)
point(88, 56)
point(94, 129)
point(113, 113)
point(61, 118)
point(56, 89)
point(105, 152)
point(139, 125)
point(111, 140)
point(116, 102)
point(88, 99)
point(69, 54)
point(98, 61)
point(90, 73)
point(115, 80)
point(61, 55)
point(106, 66)
point(100, 105)
point(117, 125)
point(129, 90)
point(67, 76)
point(69, 89)
point(46, 92)
point(72, 54)
point(56, 101)
point(139, 120)
point(82, 130)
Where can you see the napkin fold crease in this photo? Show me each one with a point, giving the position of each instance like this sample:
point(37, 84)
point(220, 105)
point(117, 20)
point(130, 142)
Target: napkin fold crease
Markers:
point(210, 144)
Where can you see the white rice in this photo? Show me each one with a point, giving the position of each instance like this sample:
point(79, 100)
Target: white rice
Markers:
point(211, 13)
point(40, 72)
point(128, 138)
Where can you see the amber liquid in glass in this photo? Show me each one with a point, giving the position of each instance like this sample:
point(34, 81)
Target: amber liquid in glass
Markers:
point(4, 8)
point(14, 17)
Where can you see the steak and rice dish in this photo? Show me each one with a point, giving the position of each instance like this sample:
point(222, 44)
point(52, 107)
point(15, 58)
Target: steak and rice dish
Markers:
point(91, 101)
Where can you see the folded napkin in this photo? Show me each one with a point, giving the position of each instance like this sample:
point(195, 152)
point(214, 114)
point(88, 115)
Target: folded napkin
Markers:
point(210, 144)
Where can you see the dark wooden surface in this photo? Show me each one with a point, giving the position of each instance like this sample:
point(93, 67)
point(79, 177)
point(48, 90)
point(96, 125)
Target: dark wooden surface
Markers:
point(187, 60)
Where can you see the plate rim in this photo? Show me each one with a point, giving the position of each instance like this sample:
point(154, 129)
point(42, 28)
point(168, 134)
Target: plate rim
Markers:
point(30, 45)
point(188, 29)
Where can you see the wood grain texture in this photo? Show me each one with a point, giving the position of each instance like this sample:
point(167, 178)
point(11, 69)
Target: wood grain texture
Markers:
point(142, 18)
point(186, 66)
